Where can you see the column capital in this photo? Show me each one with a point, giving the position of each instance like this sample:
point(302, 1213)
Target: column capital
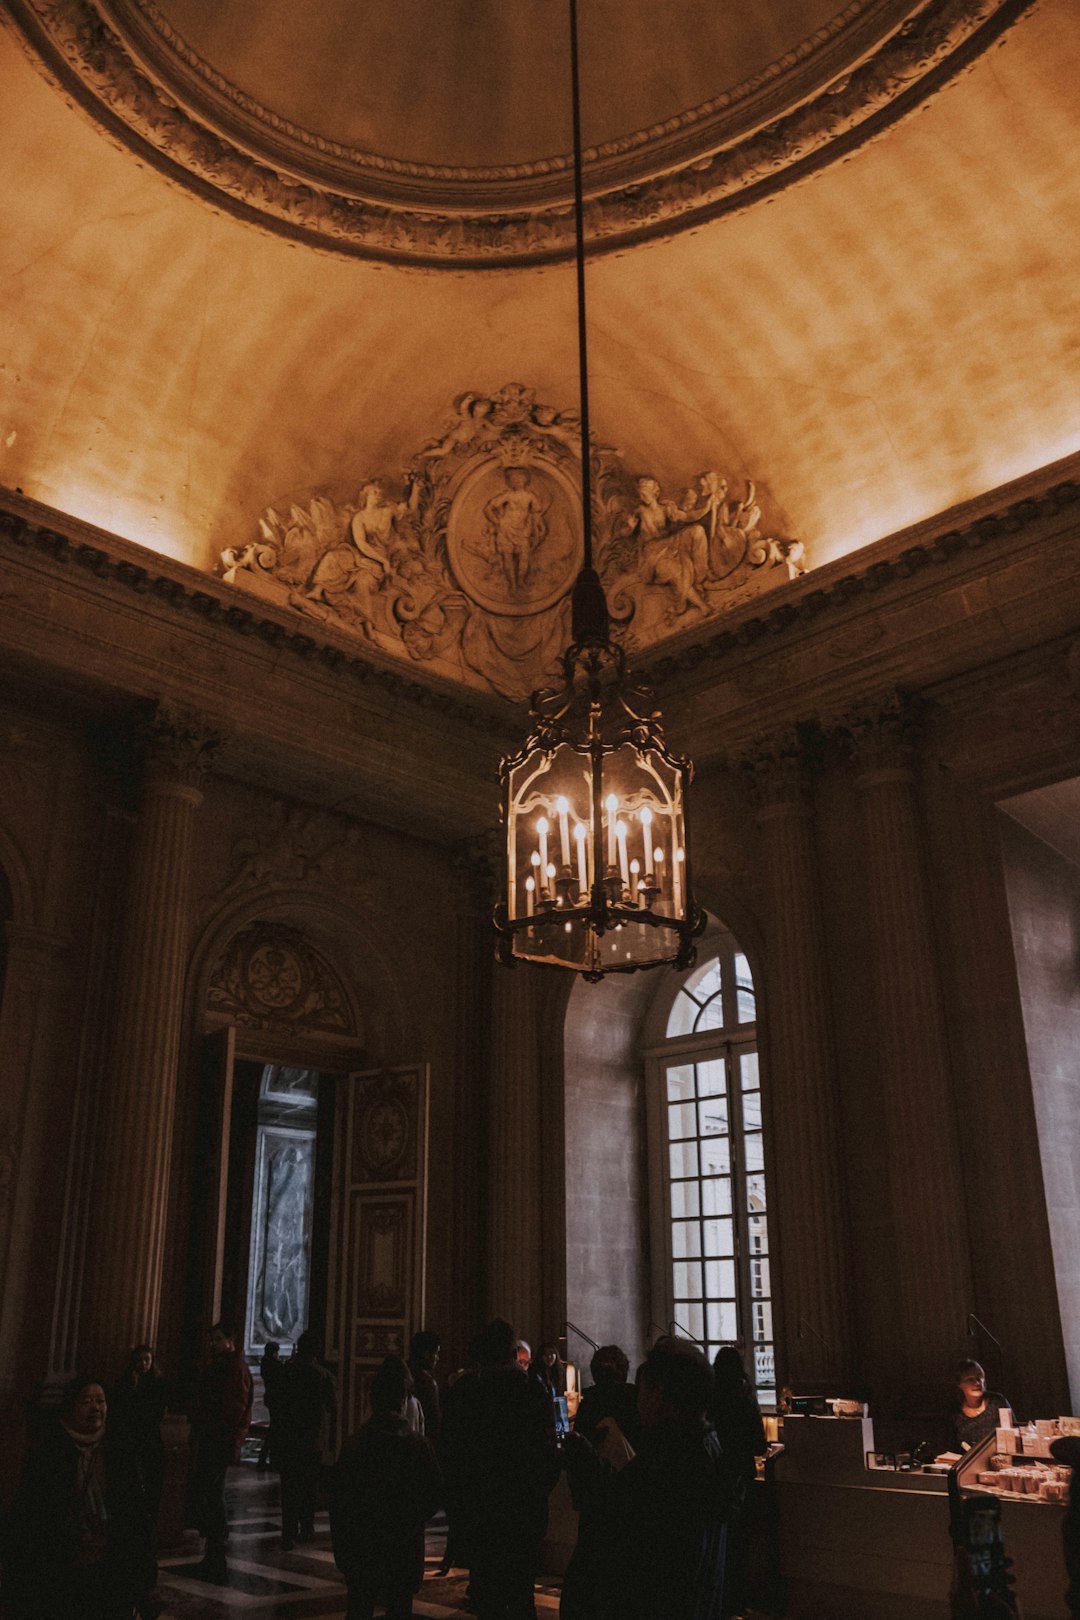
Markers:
point(778, 773)
point(882, 738)
point(178, 748)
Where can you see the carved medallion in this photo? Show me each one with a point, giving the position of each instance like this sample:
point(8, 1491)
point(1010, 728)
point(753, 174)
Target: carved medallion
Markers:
point(514, 537)
point(469, 565)
point(271, 977)
point(384, 1132)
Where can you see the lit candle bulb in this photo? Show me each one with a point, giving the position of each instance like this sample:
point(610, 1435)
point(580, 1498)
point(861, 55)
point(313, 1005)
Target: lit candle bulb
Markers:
point(542, 829)
point(646, 822)
point(530, 892)
point(582, 876)
point(676, 880)
point(620, 835)
point(635, 883)
point(612, 804)
point(563, 807)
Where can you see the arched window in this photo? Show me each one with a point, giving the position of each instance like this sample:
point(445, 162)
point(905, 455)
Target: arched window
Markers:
point(710, 1223)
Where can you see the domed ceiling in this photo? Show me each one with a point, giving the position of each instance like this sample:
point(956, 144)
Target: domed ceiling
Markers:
point(326, 394)
point(439, 133)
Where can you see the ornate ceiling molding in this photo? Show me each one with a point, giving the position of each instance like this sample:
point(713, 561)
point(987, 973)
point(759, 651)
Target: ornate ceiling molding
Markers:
point(137, 78)
point(470, 567)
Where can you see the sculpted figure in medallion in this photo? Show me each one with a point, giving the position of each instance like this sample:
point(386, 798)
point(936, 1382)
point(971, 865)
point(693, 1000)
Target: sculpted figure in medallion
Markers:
point(515, 525)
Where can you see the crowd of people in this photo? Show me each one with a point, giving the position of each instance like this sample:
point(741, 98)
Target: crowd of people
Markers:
point(657, 1470)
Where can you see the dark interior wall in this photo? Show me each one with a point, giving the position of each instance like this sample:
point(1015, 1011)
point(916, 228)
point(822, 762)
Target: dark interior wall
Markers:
point(1044, 904)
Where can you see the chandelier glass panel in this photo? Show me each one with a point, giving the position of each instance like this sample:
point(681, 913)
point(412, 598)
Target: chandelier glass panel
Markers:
point(597, 872)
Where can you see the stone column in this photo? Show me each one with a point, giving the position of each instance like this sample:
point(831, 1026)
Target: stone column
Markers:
point(28, 1029)
point(809, 1240)
point(122, 1290)
point(930, 1254)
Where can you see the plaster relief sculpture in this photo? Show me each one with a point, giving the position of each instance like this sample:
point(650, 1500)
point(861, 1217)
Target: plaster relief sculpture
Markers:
point(467, 566)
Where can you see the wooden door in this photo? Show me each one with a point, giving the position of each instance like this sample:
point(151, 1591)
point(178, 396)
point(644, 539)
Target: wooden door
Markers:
point(379, 1225)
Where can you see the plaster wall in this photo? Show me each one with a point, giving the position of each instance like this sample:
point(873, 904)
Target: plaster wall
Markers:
point(1044, 902)
point(607, 1227)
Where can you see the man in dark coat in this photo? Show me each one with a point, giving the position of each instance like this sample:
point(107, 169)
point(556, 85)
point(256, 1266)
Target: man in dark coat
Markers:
point(304, 1413)
point(652, 1540)
point(386, 1486)
point(501, 1465)
point(219, 1422)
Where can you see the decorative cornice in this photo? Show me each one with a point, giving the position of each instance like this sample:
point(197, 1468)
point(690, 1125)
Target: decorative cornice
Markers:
point(93, 550)
point(802, 605)
point(652, 183)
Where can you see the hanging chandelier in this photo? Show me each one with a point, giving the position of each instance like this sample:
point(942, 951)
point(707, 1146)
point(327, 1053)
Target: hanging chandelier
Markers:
point(594, 803)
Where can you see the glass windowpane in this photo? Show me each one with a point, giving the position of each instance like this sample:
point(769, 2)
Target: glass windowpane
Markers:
point(712, 1078)
point(686, 1240)
point(719, 1237)
point(684, 1159)
point(712, 1117)
point(720, 1279)
point(723, 1321)
point(748, 1071)
point(758, 1233)
point(691, 1318)
point(682, 1016)
point(685, 1199)
point(759, 1279)
point(745, 990)
point(765, 1368)
point(753, 1152)
point(680, 1082)
point(716, 1197)
point(716, 1156)
point(755, 1193)
point(687, 1279)
point(761, 1320)
point(711, 1015)
point(705, 980)
point(681, 1121)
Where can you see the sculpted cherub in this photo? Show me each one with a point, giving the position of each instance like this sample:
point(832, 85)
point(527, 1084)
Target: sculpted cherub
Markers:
point(470, 421)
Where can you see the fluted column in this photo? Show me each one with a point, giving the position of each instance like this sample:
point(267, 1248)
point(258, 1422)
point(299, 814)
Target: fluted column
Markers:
point(135, 1121)
point(809, 1239)
point(930, 1255)
point(28, 1088)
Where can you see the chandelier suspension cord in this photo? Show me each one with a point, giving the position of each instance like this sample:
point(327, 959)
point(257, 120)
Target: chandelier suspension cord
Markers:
point(579, 238)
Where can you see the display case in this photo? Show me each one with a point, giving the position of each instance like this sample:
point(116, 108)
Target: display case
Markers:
point(1015, 1464)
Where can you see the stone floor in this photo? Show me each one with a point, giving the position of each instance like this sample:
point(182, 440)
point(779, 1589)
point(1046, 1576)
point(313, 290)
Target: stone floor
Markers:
point(265, 1582)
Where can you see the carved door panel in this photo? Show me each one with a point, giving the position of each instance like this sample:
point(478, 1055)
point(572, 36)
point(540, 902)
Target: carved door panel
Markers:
point(379, 1227)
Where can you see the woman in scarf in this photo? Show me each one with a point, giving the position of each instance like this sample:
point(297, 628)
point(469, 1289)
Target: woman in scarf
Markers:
point(78, 1537)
